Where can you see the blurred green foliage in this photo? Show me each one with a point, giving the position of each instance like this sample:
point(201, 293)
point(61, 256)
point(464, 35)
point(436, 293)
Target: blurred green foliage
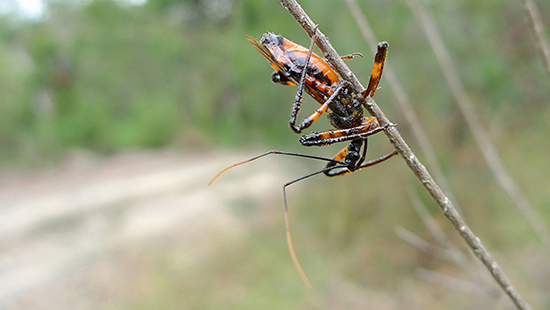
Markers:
point(109, 75)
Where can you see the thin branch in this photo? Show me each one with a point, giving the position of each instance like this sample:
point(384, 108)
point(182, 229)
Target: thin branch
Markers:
point(537, 27)
point(416, 127)
point(410, 158)
point(481, 136)
point(403, 100)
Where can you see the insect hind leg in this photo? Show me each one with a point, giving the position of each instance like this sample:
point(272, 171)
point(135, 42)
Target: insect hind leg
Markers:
point(346, 170)
point(377, 69)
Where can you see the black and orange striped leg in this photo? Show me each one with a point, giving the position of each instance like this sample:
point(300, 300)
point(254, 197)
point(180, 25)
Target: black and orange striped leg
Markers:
point(338, 135)
point(349, 156)
point(377, 68)
point(315, 115)
point(368, 127)
point(346, 170)
point(300, 96)
point(300, 93)
point(330, 166)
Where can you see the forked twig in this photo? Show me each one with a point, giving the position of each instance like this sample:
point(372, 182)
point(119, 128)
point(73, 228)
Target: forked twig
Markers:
point(425, 246)
point(453, 283)
point(440, 237)
point(481, 136)
point(410, 158)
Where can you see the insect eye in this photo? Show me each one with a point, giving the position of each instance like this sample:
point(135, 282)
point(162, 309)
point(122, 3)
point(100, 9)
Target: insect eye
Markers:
point(279, 78)
point(276, 77)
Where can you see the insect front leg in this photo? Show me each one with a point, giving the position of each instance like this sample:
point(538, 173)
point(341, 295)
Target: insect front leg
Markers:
point(300, 95)
point(369, 126)
point(315, 115)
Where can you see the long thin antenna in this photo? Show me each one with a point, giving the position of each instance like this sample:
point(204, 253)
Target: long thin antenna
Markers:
point(271, 153)
point(287, 223)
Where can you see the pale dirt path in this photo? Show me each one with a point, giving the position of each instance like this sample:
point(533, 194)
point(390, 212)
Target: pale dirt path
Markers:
point(55, 222)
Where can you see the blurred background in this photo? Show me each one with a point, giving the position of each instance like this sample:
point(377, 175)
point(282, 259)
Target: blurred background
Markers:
point(114, 115)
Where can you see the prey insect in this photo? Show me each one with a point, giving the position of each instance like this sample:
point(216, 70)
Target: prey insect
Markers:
point(299, 66)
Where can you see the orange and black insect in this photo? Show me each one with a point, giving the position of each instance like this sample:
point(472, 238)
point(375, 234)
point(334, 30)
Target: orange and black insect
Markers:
point(298, 66)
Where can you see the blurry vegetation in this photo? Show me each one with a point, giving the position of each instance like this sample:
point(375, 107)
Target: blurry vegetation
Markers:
point(109, 75)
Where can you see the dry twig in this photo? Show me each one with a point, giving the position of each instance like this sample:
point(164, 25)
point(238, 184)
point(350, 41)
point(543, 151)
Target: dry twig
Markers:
point(410, 158)
point(453, 283)
point(404, 101)
point(537, 27)
point(481, 136)
point(425, 246)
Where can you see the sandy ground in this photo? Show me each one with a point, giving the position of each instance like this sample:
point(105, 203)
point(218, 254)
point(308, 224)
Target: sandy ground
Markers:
point(83, 234)
point(57, 222)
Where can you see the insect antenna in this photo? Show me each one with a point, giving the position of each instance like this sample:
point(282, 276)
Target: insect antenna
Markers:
point(338, 165)
point(287, 222)
point(270, 153)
